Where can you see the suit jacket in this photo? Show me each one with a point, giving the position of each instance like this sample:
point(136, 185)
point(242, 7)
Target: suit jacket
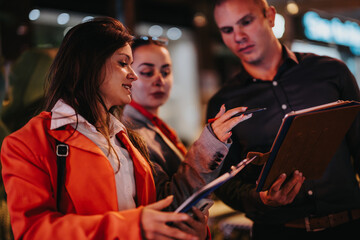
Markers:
point(88, 208)
point(177, 175)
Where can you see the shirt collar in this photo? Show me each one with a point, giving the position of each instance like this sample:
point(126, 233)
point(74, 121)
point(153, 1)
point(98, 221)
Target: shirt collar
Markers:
point(63, 114)
point(289, 60)
point(289, 55)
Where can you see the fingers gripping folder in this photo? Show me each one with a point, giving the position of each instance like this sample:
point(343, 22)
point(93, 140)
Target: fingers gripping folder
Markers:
point(306, 141)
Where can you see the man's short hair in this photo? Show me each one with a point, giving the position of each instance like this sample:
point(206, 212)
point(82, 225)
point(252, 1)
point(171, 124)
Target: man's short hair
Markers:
point(263, 4)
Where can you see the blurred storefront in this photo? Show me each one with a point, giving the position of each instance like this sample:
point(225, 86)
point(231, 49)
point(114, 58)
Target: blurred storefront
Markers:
point(327, 34)
point(201, 61)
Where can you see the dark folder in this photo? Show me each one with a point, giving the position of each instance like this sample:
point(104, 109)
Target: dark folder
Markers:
point(307, 140)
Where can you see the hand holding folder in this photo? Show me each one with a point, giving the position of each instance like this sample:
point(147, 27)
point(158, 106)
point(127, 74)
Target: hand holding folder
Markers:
point(306, 141)
point(203, 192)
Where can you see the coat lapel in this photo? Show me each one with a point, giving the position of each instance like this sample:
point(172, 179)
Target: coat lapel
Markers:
point(145, 185)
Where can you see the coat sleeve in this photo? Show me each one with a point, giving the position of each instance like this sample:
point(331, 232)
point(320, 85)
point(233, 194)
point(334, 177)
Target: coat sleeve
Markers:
point(32, 205)
point(239, 192)
point(202, 164)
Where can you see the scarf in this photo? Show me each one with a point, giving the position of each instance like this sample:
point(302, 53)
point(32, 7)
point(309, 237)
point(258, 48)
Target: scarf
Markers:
point(160, 124)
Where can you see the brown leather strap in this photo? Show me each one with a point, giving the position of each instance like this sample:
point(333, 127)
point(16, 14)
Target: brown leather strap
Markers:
point(321, 223)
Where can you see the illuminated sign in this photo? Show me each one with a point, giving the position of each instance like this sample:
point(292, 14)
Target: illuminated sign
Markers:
point(332, 31)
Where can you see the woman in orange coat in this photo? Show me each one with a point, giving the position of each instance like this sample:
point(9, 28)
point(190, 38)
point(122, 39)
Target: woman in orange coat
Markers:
point(106, 181)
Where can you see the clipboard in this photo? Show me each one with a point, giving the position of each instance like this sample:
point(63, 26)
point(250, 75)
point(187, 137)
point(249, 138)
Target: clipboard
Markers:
point(307, 140)
point(212, 186)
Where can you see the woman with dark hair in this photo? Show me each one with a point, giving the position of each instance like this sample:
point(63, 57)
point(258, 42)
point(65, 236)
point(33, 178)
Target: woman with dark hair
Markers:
point(178, 172)
point(75, 171)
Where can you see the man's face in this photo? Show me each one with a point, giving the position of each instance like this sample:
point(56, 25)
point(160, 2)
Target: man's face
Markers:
point(245, 30)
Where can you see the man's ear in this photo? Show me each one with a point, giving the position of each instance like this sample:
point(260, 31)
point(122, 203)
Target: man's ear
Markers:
point(270, 15)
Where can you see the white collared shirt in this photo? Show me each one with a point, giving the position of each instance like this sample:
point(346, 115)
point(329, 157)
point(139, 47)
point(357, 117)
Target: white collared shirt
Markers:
point(63, 114)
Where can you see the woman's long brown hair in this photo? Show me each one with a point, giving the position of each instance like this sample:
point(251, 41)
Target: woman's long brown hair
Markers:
point(77, 73)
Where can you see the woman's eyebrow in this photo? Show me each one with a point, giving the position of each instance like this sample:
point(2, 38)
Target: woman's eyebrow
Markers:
point(166, 65)
point(125, 55)
point(147, 64)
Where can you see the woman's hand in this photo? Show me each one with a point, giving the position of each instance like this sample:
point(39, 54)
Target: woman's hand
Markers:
point(153, 222)
point(224, 122)
point(197, 225)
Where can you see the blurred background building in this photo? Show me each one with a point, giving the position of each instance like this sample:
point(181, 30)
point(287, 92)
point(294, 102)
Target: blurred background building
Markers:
point(31, 31)
point(201, 62)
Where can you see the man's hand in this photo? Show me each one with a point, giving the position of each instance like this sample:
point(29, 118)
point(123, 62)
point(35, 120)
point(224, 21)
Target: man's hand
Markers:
point(279, 194)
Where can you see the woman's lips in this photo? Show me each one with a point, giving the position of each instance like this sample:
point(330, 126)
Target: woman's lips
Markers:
point(127, 87)
point(158, 94)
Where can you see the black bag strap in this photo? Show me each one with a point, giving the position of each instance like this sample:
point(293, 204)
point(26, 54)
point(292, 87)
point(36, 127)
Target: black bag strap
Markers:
point(62, 151)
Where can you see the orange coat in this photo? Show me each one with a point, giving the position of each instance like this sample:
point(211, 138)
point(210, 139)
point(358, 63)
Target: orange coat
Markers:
point(89, 203)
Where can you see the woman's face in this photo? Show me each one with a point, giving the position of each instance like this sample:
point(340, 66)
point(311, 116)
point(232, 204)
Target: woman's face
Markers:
point(119, 76)
point(152, 65)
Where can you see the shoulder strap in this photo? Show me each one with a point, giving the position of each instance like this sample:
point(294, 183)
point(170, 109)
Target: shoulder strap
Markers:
point(62, 151)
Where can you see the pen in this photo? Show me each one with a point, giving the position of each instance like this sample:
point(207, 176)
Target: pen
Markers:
point(253, 110)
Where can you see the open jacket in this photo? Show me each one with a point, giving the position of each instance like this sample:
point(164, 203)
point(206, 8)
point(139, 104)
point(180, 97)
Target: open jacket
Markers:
point(88, 208)
point(176, 175)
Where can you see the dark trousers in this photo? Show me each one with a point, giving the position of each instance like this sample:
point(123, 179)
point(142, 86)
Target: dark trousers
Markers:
point(347, 231)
